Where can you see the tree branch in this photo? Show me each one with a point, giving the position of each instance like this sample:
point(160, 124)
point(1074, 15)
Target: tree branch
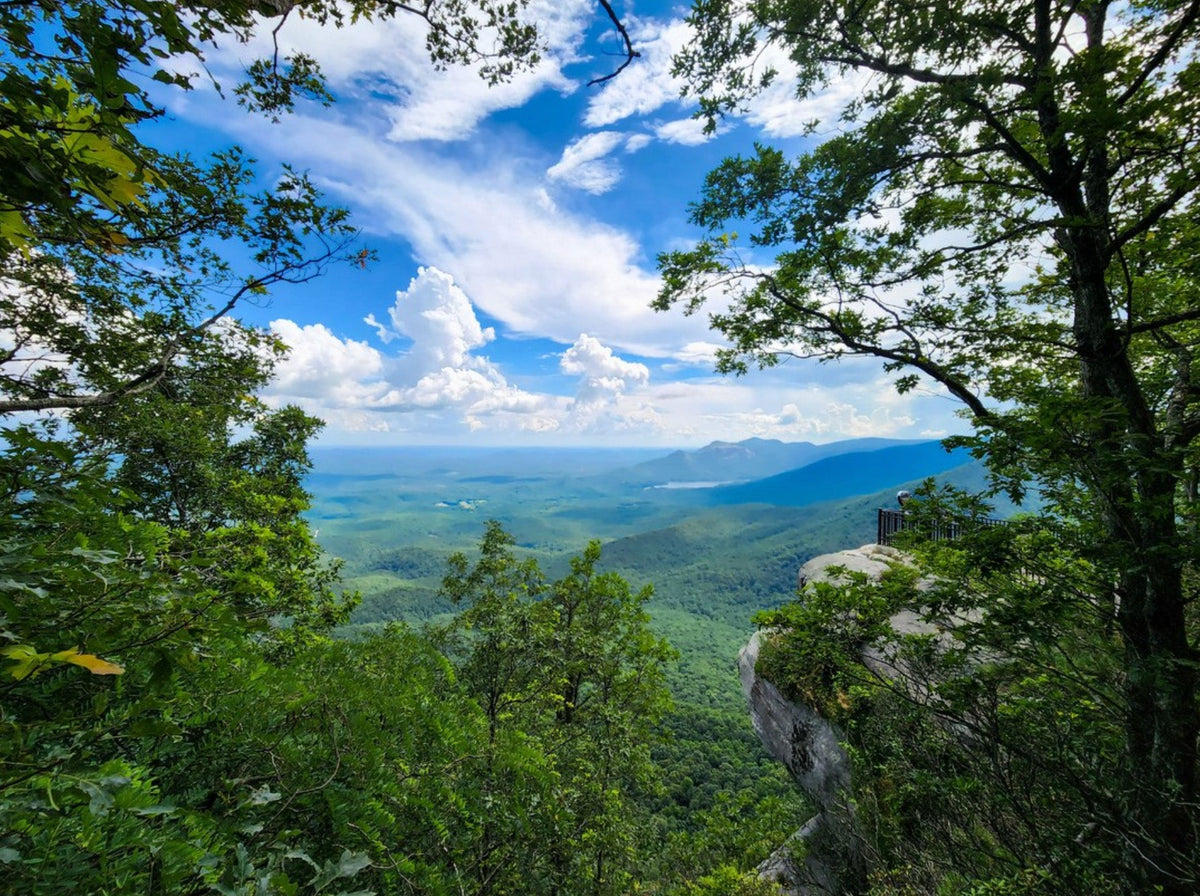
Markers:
point(926, 365)
point(153, 374)
point(630, 53)
point(1150, 218)
point(1158, 323)
point(1161, 54)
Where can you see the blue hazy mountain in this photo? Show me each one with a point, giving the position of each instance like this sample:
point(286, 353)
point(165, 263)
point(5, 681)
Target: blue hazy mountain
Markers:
point(740, 461)
point(726, 562)
point(843, 475)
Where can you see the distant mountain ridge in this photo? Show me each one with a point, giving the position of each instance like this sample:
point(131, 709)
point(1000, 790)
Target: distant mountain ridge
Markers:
point(742, 461)
point(843, 475)
point(726, 562)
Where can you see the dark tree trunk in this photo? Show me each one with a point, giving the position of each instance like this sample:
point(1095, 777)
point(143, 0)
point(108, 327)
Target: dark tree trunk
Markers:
point(1161, 724)
point(1136, 476)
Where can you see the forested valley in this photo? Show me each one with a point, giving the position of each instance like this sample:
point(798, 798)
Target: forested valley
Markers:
point(235, 663)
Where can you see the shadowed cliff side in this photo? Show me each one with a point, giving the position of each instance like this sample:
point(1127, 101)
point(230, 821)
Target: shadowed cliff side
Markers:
point(825, 855)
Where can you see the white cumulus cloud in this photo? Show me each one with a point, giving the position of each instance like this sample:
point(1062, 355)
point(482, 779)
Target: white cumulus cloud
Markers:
point(436, 315)
point(336, 379)
point(603, 375)
point(321, 365)
point(438, 370)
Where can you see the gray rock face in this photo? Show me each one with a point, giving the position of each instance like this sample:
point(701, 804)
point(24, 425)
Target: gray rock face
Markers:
point(823, 858)
point(794, 734)
point(872, 559)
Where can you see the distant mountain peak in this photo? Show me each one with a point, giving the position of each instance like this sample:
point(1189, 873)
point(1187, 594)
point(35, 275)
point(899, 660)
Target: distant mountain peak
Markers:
point(749, 459)
point(724, 448)
point(753, 442)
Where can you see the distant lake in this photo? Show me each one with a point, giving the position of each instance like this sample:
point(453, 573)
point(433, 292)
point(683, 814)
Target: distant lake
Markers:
point(696, 484)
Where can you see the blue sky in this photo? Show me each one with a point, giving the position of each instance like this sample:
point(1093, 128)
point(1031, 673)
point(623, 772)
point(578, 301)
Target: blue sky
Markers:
point(516, 228)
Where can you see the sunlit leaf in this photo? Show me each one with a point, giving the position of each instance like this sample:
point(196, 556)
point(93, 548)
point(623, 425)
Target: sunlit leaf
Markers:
point(92, 663)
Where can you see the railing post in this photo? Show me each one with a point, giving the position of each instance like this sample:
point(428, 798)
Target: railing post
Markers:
point(889, 523)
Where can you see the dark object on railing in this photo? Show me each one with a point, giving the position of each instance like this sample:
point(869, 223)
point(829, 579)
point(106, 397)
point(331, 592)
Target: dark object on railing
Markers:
point(894, 521)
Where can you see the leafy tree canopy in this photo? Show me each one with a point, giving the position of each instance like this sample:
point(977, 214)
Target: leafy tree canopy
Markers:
point(572, 667)
point(1006, 210)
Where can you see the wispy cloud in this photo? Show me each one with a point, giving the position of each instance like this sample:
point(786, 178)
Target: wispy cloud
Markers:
point(383, 62)
point(540, 270)
point(585, 164)
point(684, 131)
point(778, 113)
point(648, 86)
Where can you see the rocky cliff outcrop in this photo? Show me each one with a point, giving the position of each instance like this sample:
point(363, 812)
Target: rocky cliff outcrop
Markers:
point(823, 857)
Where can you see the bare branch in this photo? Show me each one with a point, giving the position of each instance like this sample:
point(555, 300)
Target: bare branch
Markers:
point(630, 53)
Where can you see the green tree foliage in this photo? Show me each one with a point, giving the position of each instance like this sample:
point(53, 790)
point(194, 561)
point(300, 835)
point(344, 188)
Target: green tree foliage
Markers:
point(572, 668)
point(91, 586)
point(371, 748)
point(233, 505)
point(114, 252)
point(987, 741)
point(219, 765)
point(162, 599)
point(1007, 212)
point(77, 83)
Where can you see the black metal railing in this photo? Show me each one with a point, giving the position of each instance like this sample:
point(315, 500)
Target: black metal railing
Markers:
point(892, 522)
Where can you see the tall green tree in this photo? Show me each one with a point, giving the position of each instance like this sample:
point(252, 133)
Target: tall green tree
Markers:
point(1006, 211)
point(571, 670)
point(612, 698)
